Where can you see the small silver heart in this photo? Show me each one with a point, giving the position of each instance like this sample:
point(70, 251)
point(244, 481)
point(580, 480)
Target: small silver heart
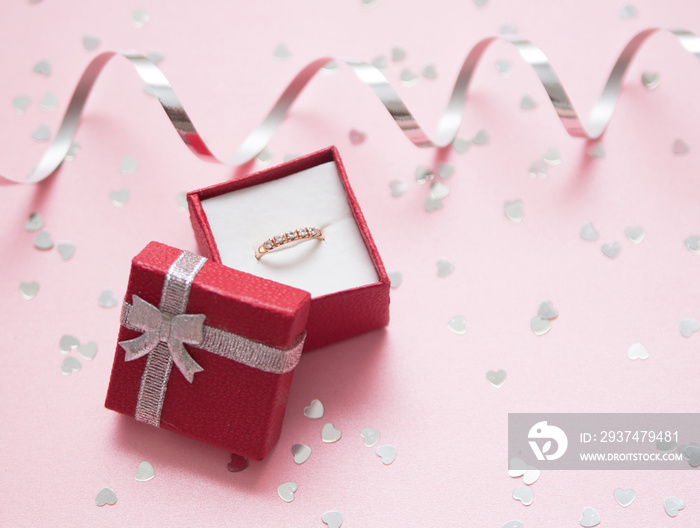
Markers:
point(49, 102)
point(680, 146)
point(286, 491)
point(424, 174)
point(72, 151)
point(181, 198)
point(408, 78)
point(517, 467)
point(596, 151)
point(379, 62)
point(445, 170)
point(106, 299)
point(129, 165)
point(688, 327)
point(43, 240)
point(397, 54)
point(300, 453)
point(369, 4)
point(42, 132)
point(432, 204)
point(332, 518)
point(68, 343)
point(672, 505)
point(370, 436)
point(66, 249)
point(139, 18)
point(611, 250)
point(692, 454)
point(265, 156)
point(43, 67)
point(29, 289)
point(314, 410)
point(154, 56)
point(398, 188)
point(357, 137)
point(504, 67)
point(330, 434)
point(590, 517)
point(637, 351)
point(628, 11)
point(20, 103)
point(531, 476)
point(527, 102)
point(330, 68)
point(481, 137)
point(458, 324)
point(524, 494)
point(106, 496)
point(540, 326)
point(635, 234)
point(588, 232)
point(145, 472)
point(666, 447)
point(387, 453)
point(538, 169)
point(650, 80)
point(88, 350)
point(429, 71)
point(461, 144)
point(508, 29)
point(282, 53)
point(693, 243)
point(551, 157)
point(90, 42)
point(513, 524)
point(496, 378)
point(624, 497)
point(395, 277)
point(547, 311)
point(69, 365)
point(438, 190)
point(480, 3)
point(119, 197)
point(513, 210)
point(444, 267)
point(237, 463)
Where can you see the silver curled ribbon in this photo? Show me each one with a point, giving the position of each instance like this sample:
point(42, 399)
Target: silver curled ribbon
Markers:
point(448, 124)
point(165, 331)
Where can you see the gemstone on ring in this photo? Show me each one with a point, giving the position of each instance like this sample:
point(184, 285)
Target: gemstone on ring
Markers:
point(301, 234)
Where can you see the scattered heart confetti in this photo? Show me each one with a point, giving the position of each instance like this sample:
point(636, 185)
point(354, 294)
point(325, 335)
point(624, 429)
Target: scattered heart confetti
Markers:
point(181, 198)
point(481, 137)
point(106, 299)
point(504, 67)
point(551, 157)
point(508, 29)
point(387, 453)
point(395, 277)
point(20, 103)
point(301, 453)
point(693, 243)
point(588, 232)
point(424, 174)
point(458, 325)
point(496, 378)
point(429, 71)
point(330, 434)
point(265, 156)
point(398, 188)
point(524, 494)
point(527, 102)
point(627, 11)
point(29, 289)
point(140, 18)
point(666, 447)
point(445, 170)
point(637, 351)
point(43, 67)
point(286, 491)
point(540, 326)
point(480, 3)
point(397, 54)
point(66, 249)
point(369, 4)
point(624, 497)
point(408, 78)
point(547, 311)
point(90, 42)
point(129, 165)
point(379, 62)
point(687, 326)
point(119, 197)
point(596, 150)
point(88, 350)
point(650, 80)
point(531, 476)
point(333, 518)
point(314, 410)
point(438, 190)
point(357, 137)
point(370, 435)
point(282, 53)
point(635, 234)
point(330, 68)
point(672, 505)
point(145, 472)
point(154, 56)
point(692, 454)
point(432, 204)
point(611, 250)
point(517, 467)
point(42, 132)
point(461, 144)
point(49, 102)
point(680, 146)
point(106, 496)
point(237, 463)
point(69, 365)
point(590, 517)
point(444, 267)
point(67, 343)
point(72, 151)
point(513, 524)
point(538, 169)
point(513, 210)
point(43, 240)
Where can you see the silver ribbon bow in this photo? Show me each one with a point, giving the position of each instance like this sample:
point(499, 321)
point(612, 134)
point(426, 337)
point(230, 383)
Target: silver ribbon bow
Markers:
point(160, 327)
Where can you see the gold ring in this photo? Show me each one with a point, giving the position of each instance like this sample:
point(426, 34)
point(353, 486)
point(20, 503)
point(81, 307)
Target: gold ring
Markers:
point(296, 235)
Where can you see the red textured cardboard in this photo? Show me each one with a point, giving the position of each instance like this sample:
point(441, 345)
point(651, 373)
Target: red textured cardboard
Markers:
point(333, 317)
point(229, 405)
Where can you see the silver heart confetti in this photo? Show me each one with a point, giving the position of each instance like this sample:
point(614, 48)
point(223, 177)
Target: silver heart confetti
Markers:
point(66, 249)
point(432, 204)
point(611, 250)
point(398, 188)
point(145, 472)
point(49, 102)
point(408, 78)
point(624, 497)
point(69, 365)
point(538, 169)
point(282, 53)
point(637, 351)
point(379, 62)
point(119, 197)
point(531, 476)
point(237, 463)
point(397, 54)
point(458, 324)
point(513, 210)
point(635, 234)
point(20, 103)
point(666, 447)
point(42, 132)
point(88, 350)
point(444, 267)
point(524, 494)
point(395, 277)
point(680, 146)
point(300, 453)
point(461, 144)
point(480, 3)
point(72, 151)
point(43, 67)
point(43, 240)
point(692, 454)
point(29, 289)
point(481, 137)
point(330, 434)
point(540, 326)
point(286, 491)
point(370, 435)
point(628, 11)
point(90, 42)
point(387, 453)
point(445, 170)
point(672, 505)
point(181, 198)
point(508, 29)
point(547, 311)
point(357, 137)
point(513, 524)
point(106, 299)
point(129, 165)
point(424, 174)
point(438, 190)
point(527, 102)
point(596, 150)
point(688, 327)
point(504, 67)
point(496, 378)
point(333, 518)
point(67, 343)
point(590, 517)
point(106, 496)
point(693, 243)
point(588, 232)
point(429, 71)
point(139, 18)
point(314, 410)
point(369, 4)
point(650, 80)
point(330, 68)
point(551, 157)
point(154, 56)
point(265, 156)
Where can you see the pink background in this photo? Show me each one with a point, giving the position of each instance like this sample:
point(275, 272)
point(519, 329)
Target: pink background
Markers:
point(421, 385)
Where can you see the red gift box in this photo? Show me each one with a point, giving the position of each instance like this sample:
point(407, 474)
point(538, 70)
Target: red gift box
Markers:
point(231, 219)
point(206, 351)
